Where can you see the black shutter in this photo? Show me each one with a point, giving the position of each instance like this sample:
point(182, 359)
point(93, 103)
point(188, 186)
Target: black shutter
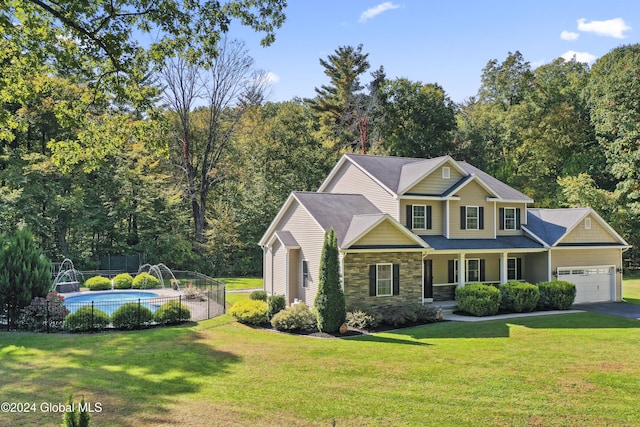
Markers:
point(409, 216)
point(480, 218)
point(372, 280)
point(482, 271)
point(451, 271)
point(396, 279)
point(519, 267)
point(463, 217)
point(518, 219)
point(429, 222)
point(501, 218)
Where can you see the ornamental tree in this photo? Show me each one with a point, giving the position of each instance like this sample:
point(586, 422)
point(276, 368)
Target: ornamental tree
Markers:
point(329, 303)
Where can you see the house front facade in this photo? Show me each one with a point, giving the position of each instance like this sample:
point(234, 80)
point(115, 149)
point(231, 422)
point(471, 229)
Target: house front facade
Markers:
point(411, 230)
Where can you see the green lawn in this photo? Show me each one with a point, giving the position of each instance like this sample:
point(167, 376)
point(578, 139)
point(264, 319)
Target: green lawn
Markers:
point(234, 283)
point(631, 288)
point(563, 370)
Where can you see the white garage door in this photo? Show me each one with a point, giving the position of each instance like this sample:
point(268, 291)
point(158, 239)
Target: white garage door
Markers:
point(593, 284)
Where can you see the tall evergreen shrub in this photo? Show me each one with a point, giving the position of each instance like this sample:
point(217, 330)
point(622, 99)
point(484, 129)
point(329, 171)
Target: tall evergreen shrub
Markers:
point(330, 303)
point(24, 273)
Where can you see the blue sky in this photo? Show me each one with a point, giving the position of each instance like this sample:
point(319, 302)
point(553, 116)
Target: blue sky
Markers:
point(445, 42)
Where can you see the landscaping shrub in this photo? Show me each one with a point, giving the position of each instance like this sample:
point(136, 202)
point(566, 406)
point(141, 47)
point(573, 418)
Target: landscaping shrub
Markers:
point(258, 296)
point(98, 283)
point(250, 311)
point(131, 315)
point(276, 304)
point(86, 319)
point(297, 318)
point(425, 313)
point(172, 312)
point(519, 297)
point(44, 314)
point(478, 299)
point(329, 302)
point(364, 318)
point(145, 281)
point(123, 281)
point(556, 295)
point(399, 316)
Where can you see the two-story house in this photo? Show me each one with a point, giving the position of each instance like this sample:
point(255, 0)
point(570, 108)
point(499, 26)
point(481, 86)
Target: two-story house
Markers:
point(411, 230)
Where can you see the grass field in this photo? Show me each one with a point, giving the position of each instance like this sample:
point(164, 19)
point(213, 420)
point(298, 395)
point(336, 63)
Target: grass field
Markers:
point(563, 370)
point(235, 283)
point(631, 288)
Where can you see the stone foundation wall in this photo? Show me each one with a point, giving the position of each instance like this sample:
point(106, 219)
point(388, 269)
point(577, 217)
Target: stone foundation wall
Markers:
point(356, 278)
point(444, 293)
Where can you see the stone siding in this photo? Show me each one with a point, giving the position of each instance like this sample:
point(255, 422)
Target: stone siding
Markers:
point(444, 293)
point(356, 279)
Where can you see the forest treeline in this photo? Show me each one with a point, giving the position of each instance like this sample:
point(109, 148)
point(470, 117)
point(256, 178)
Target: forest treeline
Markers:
point(188, 161)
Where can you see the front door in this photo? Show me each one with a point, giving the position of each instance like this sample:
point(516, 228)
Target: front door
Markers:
point(428, 278)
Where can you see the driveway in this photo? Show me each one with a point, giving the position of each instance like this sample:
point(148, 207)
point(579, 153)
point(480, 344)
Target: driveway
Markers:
point(621, 309)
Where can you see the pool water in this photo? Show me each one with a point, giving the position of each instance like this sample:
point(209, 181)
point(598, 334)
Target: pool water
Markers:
point(110, 301)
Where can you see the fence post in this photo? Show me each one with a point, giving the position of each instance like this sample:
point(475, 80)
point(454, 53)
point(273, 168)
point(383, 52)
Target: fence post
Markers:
point(92, 326)
point(47, 314)
point(179, 307)
point(209, 303)
point(139, 326)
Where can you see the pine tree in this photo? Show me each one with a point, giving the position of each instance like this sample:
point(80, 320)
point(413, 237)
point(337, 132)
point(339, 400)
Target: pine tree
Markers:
point(329, 302)
point(24, 273)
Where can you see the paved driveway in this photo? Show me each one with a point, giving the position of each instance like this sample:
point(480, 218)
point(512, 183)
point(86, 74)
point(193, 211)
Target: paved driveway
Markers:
point(621, 309)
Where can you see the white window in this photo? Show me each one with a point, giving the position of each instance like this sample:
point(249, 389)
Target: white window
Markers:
point(473, 270)
point(512, 269)
point(587, 223)
point(446, 172)
point(510, 218)
point(472, 217)
point(419, 217)
point(384, 280)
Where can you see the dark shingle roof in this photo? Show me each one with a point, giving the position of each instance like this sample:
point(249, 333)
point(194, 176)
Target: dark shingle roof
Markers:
point(551, 224)
point(500, 242)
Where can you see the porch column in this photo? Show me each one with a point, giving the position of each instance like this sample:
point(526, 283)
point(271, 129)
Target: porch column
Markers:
point(462, 273)
point(503, 268)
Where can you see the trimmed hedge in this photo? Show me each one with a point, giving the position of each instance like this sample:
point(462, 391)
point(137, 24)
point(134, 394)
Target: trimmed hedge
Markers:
point(86, 319)
point(519, 297)
point(145, 281)
point(172, 312)
point(276, 304)
point(478, 299)
point(123, 281)
point(250, 311)
point(98, 283)
point(131, 315)
point(258, 296)
point(556, 295)
point(298, 317)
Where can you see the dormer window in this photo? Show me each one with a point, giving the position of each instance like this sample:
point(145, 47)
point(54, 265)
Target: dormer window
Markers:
point(509, 218)
point(587, 223)
point(446, 172)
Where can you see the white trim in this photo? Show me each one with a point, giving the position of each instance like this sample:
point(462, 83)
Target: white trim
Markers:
point(613, 283)
point(483, 184)
point(466, 218)
point(423, 197)
point(495, 223)
point(334, 171)
point(447, 225)
point(286, 275)
point(445, 159)
point(534, 236)
point(591, 247)
point(399, 226)
point(515, 218)
point(378, 294)
point(495, 199)
point(600, 220)
point(446, 172)
point(413, 217)
point(357, 251)
point(587, 223)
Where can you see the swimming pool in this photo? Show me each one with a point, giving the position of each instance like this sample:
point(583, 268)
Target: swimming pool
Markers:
point(110, 301)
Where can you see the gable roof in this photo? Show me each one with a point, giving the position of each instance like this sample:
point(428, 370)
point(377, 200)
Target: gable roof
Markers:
point(399, 174)
point(362, 224)
point(552, 225)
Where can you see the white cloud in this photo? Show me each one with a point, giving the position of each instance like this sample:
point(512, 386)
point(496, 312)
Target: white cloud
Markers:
point(272, 78)
point(377, 10)
point(568, 35)
point(585, 57)
point(610, 28)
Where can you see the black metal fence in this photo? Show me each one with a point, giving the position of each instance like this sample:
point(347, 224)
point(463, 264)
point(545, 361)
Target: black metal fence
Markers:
point(190, 297)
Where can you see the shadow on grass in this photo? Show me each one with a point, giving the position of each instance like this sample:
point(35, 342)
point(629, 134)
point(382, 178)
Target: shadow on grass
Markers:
point(634, 301)
point(133, 375)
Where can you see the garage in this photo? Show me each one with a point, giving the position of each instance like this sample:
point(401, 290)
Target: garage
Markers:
point(593, 284)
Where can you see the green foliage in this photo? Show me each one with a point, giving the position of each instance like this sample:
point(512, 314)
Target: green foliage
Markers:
point(258, 296)
point(399, 315)
point(250, 311)
point(478, 299)
point(276, 304)
point(172, 312)
point(123, 281)
point(98, 283)
point(556, 295)
point(44, 314)
point(296, 318)
point(364, 318)
point(329, 302)
point(86, 319)
point(519, 297)
point(79, 417)
point(145, 281)
point(131, 315)
point(24, 273)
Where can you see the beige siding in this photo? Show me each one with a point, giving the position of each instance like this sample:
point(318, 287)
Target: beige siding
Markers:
point(279, 269)
point(434, 183)
point(589, 257)
point(351, 180)
point(294, 276)
point(537, 267)
point(471, 195)
point(597, 233)
point(523, 218)
point(268, 270)
point(437, 215)
point(385, 233)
